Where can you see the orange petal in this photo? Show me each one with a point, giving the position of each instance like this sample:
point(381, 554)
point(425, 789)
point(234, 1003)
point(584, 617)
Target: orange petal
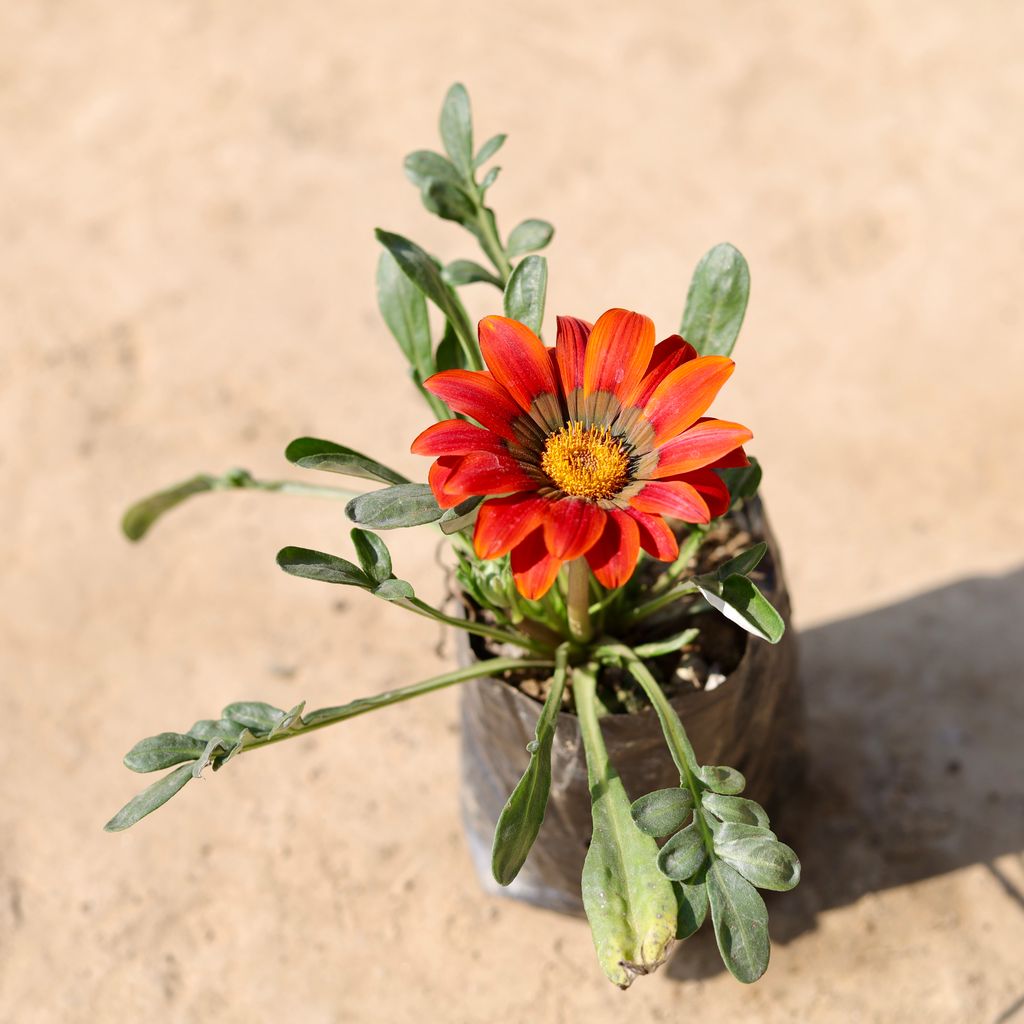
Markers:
point(517, 358)
point(700, 445)
point(456, 437)
point(484, 473)
point(571, 347)
point(685, 394)
point(617, 354)
point(613, 557)
point(503, 522)
point(572, 526)
point(667, 355)
point(478, 395)
point(438, 477)
point(676, 498)
point(656, 536)
point(533, 568)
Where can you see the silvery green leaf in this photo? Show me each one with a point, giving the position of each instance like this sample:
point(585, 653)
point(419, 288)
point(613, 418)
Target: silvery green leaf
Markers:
point(763, 861)
point(450, 202)
point(143, 514)
point(206, 728)
point(254, 714)
point(394, 590)
point(424, 166)
point(373, 554)
point(683, 855)
point(318, 565)
point(315, 453)
point(736, 808)
point(656, 648)
point(161, 751)
point(464, 514)
point(292, 719)
point(150, 798)
point(739, 600)
point(490, 178)
point(692, 906)
point(460, 272)
point(741, 922)
point(529, 236)
point(457, 129)
point(404, 309)
point(395, 507)
point(722, 779)
point(662, 812)
point(716, 301)
point(728, 831)
point(489, 148)
point(526, 291)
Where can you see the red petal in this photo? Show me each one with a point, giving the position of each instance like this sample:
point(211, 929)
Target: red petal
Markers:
point(478, 395)
point(699, 446)
point(734, 460)
point(571, 347)
point(656, 536)
point(711, 488)
point(456, 437)
point(685, 394)
point(517, 358)
point(668, 354)
point(672, 498)
point(503, 522)
point(572, 526)
point(613, 557)
point(484, 473)
point(533, 569)
point(618, 352)
point(438, 477)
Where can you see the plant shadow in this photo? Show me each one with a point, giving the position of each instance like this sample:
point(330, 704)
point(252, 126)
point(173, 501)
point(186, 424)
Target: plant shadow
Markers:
point(914, 746)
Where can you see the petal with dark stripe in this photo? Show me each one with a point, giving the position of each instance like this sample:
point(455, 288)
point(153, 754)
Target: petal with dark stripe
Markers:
point(518, 360)
point(484, 473)
point(613, 558)
point(572, 526)
point(533, 568)
point(503, 522)
point(479, 395)
point(618, 352)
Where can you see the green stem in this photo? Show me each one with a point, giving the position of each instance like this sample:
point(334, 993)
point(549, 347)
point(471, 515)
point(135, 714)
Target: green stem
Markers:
point(686, 552)
point(642, 611)
point(490, 242)
point(578, 604)
point(584, 692)
point(414, 604)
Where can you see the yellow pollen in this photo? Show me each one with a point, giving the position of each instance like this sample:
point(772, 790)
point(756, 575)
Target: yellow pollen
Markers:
point(586, 462)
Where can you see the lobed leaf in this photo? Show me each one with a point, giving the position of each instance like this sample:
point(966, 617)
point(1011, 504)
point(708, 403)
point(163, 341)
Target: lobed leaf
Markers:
point(740, 920)
point(662, 812)
point(150, 798)
point(315, 453)
point(762, 860)
point(395, 507)
point(716, 301)
point(736, 808)
point(529, 236)
point(721, 779)
point(526, 291)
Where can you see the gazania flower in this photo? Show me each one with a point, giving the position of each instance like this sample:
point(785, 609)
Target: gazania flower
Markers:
point(584, 449)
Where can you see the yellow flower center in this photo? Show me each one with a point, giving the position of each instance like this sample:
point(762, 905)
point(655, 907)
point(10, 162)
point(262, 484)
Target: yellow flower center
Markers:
point(586, 462)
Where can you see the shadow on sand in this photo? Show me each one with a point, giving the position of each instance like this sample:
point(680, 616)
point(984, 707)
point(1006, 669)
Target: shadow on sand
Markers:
point(915, 748)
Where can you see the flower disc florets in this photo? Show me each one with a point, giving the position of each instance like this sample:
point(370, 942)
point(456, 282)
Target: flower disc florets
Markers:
point(584, 449)
point(585, 462)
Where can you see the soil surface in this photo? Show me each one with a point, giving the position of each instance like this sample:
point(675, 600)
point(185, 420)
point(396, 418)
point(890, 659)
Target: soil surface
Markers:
point(187, 202)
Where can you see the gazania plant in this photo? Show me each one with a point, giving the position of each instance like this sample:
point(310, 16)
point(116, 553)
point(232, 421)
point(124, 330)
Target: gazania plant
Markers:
point(589, 500)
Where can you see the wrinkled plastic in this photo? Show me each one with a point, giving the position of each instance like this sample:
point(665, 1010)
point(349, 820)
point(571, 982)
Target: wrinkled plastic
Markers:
point(753, 722)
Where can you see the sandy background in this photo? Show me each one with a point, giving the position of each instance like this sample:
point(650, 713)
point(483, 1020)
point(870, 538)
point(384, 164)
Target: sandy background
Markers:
point(187, 198)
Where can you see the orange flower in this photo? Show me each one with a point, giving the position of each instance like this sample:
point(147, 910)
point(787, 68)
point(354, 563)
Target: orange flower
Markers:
point(590, 445)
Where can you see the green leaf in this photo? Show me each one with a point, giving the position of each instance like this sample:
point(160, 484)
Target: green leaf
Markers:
point(526, 291)
point(490, 178)
point(423, 270)
point(224, 728)
point(404, 310)
point(744, 563)
point(143, 514)
point(736, 808)
point(762, 860)
point(461, 272)
point(691, 906)
point(373, 554)
point(395, 507)
point(394, 590)
point(662, 812)
point(424, 166)
point(529, 236)
point(318, 565)
point(656, 648)
point(457, 129)
point(728, 831)
point(450, 353)
point(314, 453)
point(716, 301)
point(721, 779)
point(683, 855)
point(162, 751)
point(488, 149)
point(741, 922)
point(739, 600)
point(462, 515)
point(630, 904)
point(742, 482)
point(523, 815)
point(451, 203)
point(255, 715)
point(150, 798)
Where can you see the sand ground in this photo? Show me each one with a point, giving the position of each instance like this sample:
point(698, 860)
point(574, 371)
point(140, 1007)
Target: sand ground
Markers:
point(187, 197)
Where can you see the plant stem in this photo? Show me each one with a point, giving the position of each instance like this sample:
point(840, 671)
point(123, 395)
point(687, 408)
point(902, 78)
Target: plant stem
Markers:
point(490, 242)
point(578, 603)
point(686, 551)
point(414, 604)
point(642, 611)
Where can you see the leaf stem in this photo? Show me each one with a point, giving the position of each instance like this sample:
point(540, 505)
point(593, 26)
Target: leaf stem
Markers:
point(642, 611)
point(414, 604)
